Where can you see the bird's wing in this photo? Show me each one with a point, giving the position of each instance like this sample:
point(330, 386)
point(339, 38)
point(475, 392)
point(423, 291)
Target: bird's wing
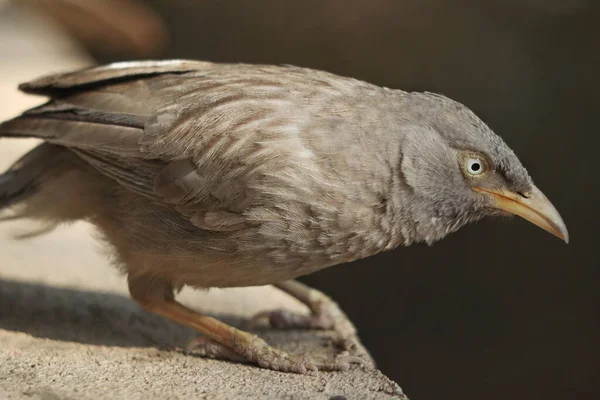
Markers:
point(206, 138)
point(53, 85)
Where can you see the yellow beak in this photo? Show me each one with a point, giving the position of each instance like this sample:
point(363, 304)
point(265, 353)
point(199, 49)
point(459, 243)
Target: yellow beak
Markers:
point(534, 207)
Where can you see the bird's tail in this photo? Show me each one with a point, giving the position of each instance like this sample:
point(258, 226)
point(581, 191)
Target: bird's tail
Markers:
point(51, 185)
point(22, 179)
point(38, 186)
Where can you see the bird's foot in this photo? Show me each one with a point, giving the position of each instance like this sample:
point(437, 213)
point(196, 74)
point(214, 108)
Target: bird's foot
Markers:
point(327, 316)
point(226, 342)
point(257, 351)
point(204, 347)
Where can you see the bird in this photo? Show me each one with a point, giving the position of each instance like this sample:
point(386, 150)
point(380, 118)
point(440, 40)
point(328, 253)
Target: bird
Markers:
point(208, 175)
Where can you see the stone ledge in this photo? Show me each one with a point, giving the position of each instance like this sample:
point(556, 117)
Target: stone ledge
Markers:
point(63, 343)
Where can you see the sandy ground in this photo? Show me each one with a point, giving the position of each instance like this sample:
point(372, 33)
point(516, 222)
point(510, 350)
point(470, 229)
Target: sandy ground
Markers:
point(67, 327)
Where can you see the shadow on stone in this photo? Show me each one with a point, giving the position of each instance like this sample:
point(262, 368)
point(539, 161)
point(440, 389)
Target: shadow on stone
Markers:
point(108, 319)
point(88, 317)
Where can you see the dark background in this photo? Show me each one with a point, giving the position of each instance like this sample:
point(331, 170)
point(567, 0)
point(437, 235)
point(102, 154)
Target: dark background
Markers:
point(500, 309)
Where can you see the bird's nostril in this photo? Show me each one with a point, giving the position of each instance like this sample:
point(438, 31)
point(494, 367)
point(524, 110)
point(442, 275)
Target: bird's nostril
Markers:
point(523, 195)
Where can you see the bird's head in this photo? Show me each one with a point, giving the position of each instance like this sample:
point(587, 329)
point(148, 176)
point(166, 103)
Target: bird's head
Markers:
point(457, 170)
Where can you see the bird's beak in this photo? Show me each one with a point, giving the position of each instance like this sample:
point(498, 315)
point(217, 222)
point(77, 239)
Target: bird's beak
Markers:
point(534, 207)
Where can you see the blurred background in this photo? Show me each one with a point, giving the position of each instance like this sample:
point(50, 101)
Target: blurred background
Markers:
point(498, 310)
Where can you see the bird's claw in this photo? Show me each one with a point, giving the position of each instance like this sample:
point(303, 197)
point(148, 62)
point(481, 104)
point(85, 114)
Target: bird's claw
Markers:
point(345, 338)
point(341, 362)
point(260, 353)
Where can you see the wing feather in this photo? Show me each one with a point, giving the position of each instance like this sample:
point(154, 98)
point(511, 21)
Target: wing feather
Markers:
point(55, 84)
point(204, 138)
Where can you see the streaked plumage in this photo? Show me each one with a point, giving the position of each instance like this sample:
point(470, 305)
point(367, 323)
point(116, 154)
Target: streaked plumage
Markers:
point(224, 175)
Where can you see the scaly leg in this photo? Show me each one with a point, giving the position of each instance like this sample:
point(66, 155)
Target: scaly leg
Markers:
point(326, 314)
point(156, 295)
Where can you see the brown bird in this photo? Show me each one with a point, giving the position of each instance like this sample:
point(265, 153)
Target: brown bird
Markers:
point(224, 175)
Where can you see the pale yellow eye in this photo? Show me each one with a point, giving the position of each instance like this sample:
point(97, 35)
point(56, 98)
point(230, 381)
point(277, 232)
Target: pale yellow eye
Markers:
point(475, 166)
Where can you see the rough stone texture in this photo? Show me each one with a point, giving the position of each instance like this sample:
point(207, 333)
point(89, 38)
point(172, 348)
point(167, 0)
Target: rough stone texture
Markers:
point(68, 329)
point(61, 343)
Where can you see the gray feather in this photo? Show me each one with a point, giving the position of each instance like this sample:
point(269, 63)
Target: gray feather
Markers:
point(22, 179)
point(57, 83)
point(267, 172)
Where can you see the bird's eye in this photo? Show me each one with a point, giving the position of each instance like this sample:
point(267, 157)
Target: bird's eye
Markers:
point(474, 165)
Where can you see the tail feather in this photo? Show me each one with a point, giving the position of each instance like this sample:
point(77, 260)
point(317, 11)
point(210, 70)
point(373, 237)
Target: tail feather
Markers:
point(11, 191)
point(22, 179)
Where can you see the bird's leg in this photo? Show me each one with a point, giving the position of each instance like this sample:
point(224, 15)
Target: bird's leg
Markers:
point(325, 314)
point(225, 341)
